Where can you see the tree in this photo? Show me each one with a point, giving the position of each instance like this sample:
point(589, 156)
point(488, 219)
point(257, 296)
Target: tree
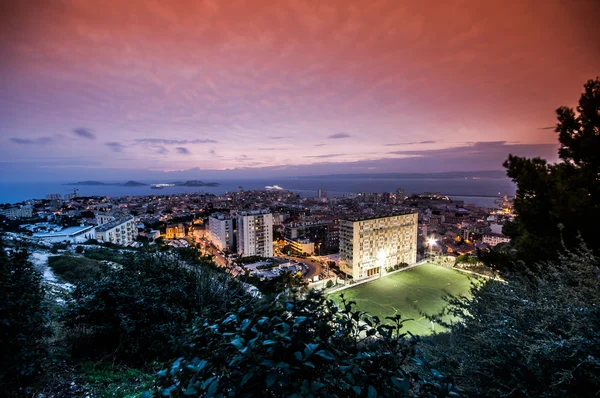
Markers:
point(141, 312)
point(23, 317)
point(534, 335)
point(557, 203)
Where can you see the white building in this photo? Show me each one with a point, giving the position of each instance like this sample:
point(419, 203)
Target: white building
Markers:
point(70, 234)
point(493, 239)
point(18, 212)
point(121, 232)
point(220, 231)
point(255, 233)
point(369, 245)
point(103, 218)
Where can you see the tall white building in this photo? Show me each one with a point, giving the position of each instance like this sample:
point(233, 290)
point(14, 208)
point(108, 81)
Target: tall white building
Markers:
point(220, 231)
point(369, 245)
point(122, 231)
point(255, 233)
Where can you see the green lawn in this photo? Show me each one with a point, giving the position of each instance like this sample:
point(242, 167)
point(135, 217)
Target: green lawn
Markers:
point(420, 289)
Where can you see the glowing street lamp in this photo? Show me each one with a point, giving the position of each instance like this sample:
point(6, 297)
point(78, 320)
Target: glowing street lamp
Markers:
point(431, 242)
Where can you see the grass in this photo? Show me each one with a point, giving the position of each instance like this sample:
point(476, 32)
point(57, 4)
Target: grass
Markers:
point(75, 269)
point(107, 381)
point(411, 293)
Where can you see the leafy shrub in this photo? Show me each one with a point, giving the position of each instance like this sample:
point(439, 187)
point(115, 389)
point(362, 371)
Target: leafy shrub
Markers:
point(22, 319)
point(299, 347)
point(75, 269)
point(329, 284)
point(140, 311)
point(79, 249)
point(105, 255)
point(535, 335)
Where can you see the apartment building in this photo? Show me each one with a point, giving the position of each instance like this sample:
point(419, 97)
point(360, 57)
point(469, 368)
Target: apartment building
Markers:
point(18, 212)
point(369, 245)
point(122, 231)
point(255, 233)
point(220, 231)
point(494, 239)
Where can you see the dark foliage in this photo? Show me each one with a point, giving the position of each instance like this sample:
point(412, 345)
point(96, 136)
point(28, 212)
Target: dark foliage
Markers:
point(300, 347)
point(556, 203)
point(76, 270)
point(535, 335)
point(22, 319)
point(140, 312)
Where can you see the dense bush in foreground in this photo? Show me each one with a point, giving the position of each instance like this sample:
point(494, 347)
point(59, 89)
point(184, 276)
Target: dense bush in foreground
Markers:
point(22, 319)
point(536, 335)
point(300, 347)
point(141, 311)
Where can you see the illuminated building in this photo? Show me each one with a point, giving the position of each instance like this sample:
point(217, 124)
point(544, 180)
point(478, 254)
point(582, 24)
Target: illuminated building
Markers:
point(220, 231)
point(122, 231)
point(255, 233)
point(369, 245)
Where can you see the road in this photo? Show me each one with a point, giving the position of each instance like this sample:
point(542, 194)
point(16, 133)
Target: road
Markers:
point(314, 267)
point(208, 248)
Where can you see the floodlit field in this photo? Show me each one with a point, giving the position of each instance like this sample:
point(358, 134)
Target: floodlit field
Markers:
point(410, 292)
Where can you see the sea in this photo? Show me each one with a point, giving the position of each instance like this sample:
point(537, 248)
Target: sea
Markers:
point(480, 192)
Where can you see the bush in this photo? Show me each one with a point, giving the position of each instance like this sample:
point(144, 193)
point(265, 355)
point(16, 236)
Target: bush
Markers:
point(105, 255)
point(79, 249)
point(22, 320)
point(329, 284)
point(535, 335)
point(140, 312)
point(76, 269)
point(299, 347)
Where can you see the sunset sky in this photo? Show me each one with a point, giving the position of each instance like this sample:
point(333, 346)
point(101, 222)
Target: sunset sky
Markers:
point(131, 89)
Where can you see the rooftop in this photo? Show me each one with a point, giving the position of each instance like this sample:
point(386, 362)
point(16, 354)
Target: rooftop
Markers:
point(365, 218)
point(114, 223)
point(64, 232)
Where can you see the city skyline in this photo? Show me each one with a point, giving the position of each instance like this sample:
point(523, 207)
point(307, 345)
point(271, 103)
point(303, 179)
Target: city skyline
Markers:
point(250, 89)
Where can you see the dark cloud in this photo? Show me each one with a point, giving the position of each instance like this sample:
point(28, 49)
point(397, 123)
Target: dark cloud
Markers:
point(339, 135)
point(330, 155)
point(161, 150)
point(547, 128)
point(183, 151)
point(35, 141)
point(477, 151)
point(84, 133)
point(281, 137)
point(412, 143)
point(162, 141)
point(115, 146)
point(212, 152)
point(273, 149)
point(319, 144)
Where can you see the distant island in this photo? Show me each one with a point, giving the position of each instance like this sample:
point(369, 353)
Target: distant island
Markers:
point(442, 175)
point(195, 183)
point(95, 183)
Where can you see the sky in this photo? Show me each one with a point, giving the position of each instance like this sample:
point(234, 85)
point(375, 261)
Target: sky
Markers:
point(217, 89)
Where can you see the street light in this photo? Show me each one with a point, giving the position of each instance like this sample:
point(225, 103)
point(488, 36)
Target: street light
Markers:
point(431, 242)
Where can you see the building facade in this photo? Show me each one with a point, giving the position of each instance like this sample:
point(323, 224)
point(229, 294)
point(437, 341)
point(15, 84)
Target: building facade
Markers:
point(255, 233)
point(120, 232)
point(368, 246)
point(220, 231)
point(18, 212)
point(494, 239)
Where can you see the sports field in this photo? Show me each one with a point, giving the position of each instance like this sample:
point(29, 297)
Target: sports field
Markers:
point(420, 289)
